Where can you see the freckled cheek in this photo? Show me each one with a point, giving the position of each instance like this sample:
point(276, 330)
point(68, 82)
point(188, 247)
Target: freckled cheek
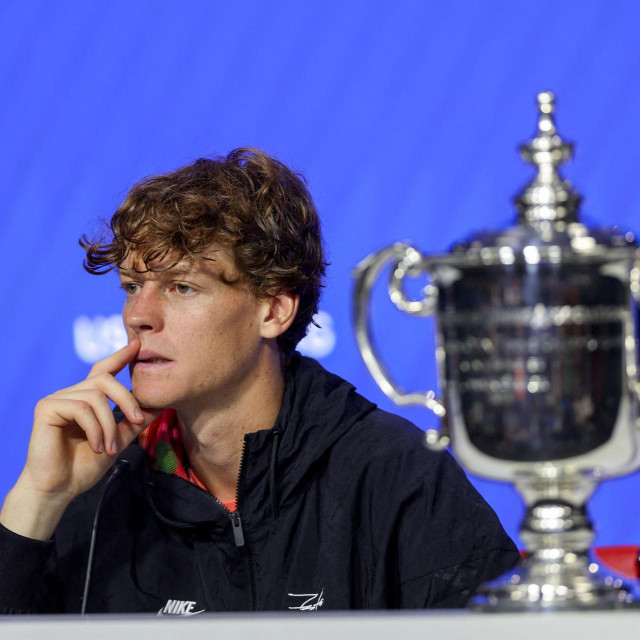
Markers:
point(223, 341)
point(240, 329)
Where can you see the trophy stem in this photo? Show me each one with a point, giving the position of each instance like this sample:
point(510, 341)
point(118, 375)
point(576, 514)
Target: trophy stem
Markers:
point(556, 572)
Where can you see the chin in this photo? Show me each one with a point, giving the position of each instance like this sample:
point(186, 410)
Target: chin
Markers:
point(152, 400)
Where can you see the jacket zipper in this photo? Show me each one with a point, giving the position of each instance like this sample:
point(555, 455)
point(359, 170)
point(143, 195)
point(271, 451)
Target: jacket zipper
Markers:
point(236, 525)
point(238, 533)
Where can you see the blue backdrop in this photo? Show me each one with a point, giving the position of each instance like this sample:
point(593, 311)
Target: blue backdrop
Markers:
point(404, 116)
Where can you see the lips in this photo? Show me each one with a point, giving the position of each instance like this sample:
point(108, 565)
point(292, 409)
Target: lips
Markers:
point(151, 357)
point(151, 360)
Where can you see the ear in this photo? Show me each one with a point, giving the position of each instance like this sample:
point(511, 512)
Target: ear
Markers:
point(279, 312)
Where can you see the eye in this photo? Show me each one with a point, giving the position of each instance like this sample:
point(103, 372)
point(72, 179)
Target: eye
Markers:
point(130, 287)
point(184, 289)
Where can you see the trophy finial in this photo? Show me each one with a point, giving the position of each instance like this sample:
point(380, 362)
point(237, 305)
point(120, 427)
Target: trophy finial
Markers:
point(546, 101)
point(548, 198)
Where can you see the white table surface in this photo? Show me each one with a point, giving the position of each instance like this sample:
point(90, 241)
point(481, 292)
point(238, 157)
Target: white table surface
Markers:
point(459, 625)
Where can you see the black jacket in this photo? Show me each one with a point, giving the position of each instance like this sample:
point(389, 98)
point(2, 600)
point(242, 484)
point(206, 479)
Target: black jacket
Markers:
point(340, 507)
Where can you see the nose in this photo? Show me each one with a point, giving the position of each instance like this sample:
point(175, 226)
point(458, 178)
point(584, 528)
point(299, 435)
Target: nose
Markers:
point(142, 311)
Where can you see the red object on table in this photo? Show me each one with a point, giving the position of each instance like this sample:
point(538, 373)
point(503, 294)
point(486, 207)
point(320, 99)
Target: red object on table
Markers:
point(623, 559)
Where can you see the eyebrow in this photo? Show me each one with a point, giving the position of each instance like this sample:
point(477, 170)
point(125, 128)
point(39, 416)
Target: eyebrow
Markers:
point(173, 270)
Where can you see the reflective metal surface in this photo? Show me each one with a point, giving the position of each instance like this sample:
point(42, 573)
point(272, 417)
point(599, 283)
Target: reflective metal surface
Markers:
point(528, 351)
point(536, 350)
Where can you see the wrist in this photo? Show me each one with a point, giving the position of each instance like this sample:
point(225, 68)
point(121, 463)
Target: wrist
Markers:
point(32, 513)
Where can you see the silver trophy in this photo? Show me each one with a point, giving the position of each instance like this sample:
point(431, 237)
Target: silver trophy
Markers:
point(536, 351)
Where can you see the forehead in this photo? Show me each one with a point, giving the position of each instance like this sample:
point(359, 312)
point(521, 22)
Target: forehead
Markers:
point(214, 261)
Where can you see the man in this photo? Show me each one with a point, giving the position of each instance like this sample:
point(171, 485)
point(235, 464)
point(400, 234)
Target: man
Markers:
point(268, 482)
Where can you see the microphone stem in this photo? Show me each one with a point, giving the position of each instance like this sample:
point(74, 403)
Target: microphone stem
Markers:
point(122, 466)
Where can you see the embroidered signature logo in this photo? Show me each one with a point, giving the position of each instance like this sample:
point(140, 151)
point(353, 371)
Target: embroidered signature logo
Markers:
point(179, 608)
point(312, 603)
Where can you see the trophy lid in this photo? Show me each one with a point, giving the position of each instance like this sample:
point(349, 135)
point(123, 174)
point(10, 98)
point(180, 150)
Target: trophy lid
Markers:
point(548, 227)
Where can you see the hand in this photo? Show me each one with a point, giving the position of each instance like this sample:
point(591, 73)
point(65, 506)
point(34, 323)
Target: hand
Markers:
point(73, 441)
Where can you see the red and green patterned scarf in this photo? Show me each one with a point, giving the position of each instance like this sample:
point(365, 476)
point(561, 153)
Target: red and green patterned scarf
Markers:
point(165, 452)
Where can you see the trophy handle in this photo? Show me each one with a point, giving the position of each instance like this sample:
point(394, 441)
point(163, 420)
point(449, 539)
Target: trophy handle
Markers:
point(408, 262)
point(634, 282)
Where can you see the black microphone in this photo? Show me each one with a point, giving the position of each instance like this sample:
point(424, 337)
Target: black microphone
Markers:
point(135, 456)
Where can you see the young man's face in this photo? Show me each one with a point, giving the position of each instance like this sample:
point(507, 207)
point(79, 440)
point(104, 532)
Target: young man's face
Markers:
point(200, 334)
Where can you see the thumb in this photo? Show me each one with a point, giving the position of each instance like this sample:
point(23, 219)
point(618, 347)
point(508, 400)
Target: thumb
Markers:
point(129, 431)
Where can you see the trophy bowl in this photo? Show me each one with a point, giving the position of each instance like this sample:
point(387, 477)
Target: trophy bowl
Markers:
point(536, 352)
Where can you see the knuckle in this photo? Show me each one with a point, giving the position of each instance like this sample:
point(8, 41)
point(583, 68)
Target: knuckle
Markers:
point(83, 406)
point(95, 394)
point(104, 377)
point(42, 404)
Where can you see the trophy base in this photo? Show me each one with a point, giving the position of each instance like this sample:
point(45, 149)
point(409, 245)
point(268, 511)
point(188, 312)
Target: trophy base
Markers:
point(555, 580)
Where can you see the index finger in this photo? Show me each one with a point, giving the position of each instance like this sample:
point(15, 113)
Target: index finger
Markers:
point(117, 361)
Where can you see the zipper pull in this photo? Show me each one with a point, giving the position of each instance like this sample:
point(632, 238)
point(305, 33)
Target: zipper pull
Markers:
point(236, 525)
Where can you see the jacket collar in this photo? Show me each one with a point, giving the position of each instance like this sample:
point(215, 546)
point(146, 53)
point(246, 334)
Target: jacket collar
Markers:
point(318, 408)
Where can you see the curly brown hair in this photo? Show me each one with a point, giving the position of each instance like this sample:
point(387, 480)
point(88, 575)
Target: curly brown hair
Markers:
point(248, 202)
